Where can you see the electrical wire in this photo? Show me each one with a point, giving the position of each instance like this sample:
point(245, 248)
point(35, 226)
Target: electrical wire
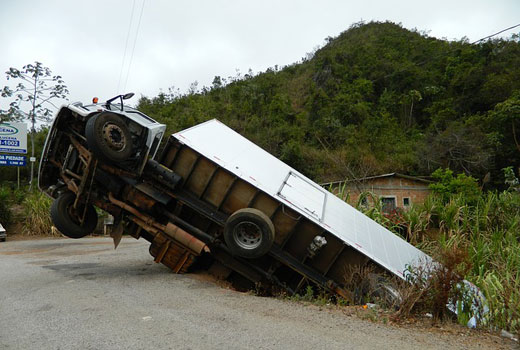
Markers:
point(500, 32)
point(133, 48)
point(126, 46)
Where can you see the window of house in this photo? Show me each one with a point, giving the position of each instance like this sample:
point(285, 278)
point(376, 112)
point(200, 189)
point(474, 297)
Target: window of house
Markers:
point(406, 201)
point(388, 204)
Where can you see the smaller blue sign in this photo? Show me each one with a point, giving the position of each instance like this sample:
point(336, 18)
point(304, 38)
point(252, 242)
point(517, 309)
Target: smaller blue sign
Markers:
point(10, 160)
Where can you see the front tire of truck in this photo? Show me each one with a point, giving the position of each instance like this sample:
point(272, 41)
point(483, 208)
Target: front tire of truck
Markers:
point(109, 137)
point(67, 219)
point(249, 233)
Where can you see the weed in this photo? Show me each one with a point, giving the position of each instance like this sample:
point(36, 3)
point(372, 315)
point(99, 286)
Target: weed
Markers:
point(36, 209)
point(476, 239)
point(5, 210)
point(433, 286)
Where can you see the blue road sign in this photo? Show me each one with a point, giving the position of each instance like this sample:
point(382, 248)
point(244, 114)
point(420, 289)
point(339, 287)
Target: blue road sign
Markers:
point(11, 160)
point(13, 137)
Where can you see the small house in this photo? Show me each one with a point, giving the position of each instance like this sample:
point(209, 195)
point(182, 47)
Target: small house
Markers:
point(395, 190)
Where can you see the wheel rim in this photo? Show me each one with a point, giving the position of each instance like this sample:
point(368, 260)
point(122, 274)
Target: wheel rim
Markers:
point(114, 137)
point(247, 235)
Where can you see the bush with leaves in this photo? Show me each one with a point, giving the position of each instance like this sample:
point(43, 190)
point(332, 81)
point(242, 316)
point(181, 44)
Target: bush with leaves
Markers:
point(36, 207)
point(5, 210)
point(448, 185)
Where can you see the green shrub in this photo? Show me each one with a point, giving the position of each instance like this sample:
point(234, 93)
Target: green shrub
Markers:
point(477, 240)
point(36, 207)
point(5, 210)
point(448, 185)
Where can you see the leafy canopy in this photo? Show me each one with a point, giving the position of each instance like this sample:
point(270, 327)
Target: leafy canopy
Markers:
point(37, 87)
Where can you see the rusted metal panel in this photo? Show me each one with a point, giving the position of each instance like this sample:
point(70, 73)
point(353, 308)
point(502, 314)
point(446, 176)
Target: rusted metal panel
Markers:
point(285, 221)
point(348, 258)
point(184, 161)
point(200, 176)
point(219, 186)
point(185, 238)
point(301, 239)
point(265, 203)
point(328, 254)
point(169, 157)
point(139, 199)
point(238, 197)
point(169, 253)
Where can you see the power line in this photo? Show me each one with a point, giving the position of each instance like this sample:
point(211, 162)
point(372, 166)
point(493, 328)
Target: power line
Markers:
point(135, 41)
point(126, 46)
point(500, 32)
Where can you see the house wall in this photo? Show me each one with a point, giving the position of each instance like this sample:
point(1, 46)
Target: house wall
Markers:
point(397, 187)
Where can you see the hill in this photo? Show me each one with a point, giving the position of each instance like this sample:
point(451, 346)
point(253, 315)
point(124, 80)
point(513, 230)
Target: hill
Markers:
point(377, 98)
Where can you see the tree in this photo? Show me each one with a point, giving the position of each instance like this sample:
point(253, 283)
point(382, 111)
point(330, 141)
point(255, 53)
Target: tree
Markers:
point(36, 87)
point(447, 185)
point(508, 113)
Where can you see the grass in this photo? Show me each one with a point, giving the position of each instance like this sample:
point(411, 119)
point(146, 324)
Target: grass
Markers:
point(477, 241)
point(5, 207)
point(36, 208)
point(30, 209)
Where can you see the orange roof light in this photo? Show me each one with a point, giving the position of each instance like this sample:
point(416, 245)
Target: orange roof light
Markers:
point(95, 100)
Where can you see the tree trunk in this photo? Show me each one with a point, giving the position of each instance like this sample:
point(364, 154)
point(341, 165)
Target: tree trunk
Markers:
point(514, 135)
point(33, 121)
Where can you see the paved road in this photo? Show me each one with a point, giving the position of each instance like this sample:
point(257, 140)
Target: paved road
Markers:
point(81, 294)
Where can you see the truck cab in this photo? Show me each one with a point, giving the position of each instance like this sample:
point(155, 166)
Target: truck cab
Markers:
point(88, 151)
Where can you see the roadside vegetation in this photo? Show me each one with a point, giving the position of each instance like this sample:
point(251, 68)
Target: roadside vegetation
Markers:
point(24, 211)
point(36, 209)
point(475, 235)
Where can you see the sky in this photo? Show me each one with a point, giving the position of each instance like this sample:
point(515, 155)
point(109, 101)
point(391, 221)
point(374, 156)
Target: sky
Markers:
point(103, 48)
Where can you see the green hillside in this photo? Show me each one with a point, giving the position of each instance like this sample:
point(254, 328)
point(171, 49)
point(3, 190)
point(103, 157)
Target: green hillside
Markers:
point(377, 98)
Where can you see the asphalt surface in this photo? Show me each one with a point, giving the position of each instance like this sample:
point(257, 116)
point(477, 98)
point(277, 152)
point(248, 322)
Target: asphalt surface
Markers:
point(81, 294)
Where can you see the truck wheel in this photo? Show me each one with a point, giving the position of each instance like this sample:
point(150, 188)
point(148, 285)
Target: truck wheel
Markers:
point(249, 233)
point(108, 137)
point(68, 220)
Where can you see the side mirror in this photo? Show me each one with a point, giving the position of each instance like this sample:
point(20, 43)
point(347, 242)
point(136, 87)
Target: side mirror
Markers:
point(128, 95)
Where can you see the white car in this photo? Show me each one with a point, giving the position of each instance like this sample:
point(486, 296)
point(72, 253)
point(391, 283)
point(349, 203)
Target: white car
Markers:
point(3, 234)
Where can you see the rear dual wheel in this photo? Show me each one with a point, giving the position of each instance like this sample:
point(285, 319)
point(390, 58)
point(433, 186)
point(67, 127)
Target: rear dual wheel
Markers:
point(249, 233)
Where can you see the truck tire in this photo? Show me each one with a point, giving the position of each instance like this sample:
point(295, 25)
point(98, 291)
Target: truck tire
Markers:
point(108, 137)
point(249, 233)
point(67, 220)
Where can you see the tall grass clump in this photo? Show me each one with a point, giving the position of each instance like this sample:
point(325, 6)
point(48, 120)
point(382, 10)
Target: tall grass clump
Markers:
point(36, 208)
point(475, 236)
point(435, 288)
point(5, 207)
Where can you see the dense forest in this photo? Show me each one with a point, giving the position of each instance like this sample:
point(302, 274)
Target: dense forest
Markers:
point(378, 98)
